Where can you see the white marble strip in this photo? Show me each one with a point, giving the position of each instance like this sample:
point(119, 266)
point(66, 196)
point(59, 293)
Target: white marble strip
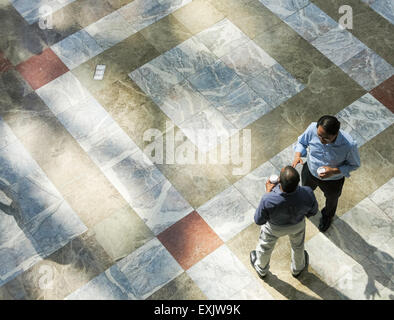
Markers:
point(35, 220)
point(362, 64)
point(112, 29)
point(384, 7)
point(135, 277)
point(33, 10)
point(136, 178)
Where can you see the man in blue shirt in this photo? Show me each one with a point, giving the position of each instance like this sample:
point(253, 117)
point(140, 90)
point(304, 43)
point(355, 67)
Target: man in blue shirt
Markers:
point(282, 212)
point(336, 152)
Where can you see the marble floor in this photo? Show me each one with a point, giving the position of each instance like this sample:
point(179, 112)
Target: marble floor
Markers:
point(120, 189)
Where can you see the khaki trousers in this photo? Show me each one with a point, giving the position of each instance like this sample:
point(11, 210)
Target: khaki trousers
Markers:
point(269, 235)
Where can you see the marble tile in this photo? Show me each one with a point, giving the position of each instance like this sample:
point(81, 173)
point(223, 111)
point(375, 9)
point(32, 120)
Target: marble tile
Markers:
point(338, 45)
point(243, 106)
point(385, 93)
point(236, 213)
point(122, 233)
point(311, 22)
point(328, 261)
point(76, 49)
point(156, 78)
point(275, 85)
point(30, 10)
point(110, 30)
point(161, 206)
point(190, 240)
point(102, 287)
point(368, 69)
point(248, 60)
point(42, 68)
point(360, 283)
point(148, 269)
point(370, 222)
point(384, 198)
point(285, 158)
point(284, 8)
point(181, 288)
point(384, 8)
point(346, 127)
point(7, 136)
point(215, 82)
point(368, 116)
point(10, 169)
point(222, 37)
point(220, 275)
point(383, 258)
point(252, 186)
point(190, 56)
point(134, 175)
point(63, 92)
point(182, 102)
point(207, 128)
point(5, 64)
point(252, 291)
point(142, 13)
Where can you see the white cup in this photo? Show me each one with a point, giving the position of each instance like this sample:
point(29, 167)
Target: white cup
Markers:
point(320, 170)
point(274, 179)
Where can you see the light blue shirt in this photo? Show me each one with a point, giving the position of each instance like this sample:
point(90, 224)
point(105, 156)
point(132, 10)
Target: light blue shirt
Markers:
point(342, 153)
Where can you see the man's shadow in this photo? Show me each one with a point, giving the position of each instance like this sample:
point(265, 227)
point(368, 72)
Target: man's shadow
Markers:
point(373, 260)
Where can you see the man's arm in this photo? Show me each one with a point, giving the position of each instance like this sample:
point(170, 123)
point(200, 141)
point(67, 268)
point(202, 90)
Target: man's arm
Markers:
point(261, 214)
point(302, 144)
point(314, 206)
point(352, 161)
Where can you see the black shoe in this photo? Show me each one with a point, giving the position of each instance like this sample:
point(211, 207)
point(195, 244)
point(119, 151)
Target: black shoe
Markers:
point(306, 265)
point(253, 258)
point(325, 223)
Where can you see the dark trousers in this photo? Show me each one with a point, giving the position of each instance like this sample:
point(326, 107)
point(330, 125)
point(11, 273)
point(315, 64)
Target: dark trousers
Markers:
point(332, 190)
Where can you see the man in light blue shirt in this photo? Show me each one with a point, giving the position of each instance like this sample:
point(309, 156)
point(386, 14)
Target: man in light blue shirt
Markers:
point(335, 151)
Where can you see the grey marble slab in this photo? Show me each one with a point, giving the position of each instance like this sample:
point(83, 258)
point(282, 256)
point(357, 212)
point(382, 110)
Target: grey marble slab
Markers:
point(368, 69)
point(338, 45)
point(182, 102)
point(134, 175)
point(30, 10)
point(6, 134)
point(220, 275)
point(368, 116)
point(252, 186)
point(252, 291)
point(102, 287)
point(156, 78)
point(327, 260)
point(161, 206)
point(110, 30)
point(243, 106)
point(76, 49)
point(346, 127)
point(275, 85)
point(369, 222)
point(215, 82)
point(248, 60)
point(384, 198)
point(383, 258)
point(284, 8)
point(228, 213)
point(222, 37)
point(310, 22)
point(148, 269)
point(207, 128)
point(285, 158)
point(190, 56)
point(63, 92)
point(142, 13)
point(384, 8)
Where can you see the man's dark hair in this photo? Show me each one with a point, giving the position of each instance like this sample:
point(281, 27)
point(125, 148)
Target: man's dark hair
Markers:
point(330, 124)
point(289, 179)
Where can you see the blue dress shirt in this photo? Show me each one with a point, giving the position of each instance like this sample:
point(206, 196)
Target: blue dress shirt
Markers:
point(342, 153)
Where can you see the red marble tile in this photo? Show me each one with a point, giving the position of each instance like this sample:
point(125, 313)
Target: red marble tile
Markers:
point(42, 68)
point(189, 240)
point(5, 64)
point(385, 93)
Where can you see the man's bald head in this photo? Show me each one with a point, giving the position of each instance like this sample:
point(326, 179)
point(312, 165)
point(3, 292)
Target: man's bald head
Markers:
point(289, 179)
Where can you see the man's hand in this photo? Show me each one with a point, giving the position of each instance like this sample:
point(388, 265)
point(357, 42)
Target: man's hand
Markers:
point(329, 172)
point(269, 186)
point(297, 159)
